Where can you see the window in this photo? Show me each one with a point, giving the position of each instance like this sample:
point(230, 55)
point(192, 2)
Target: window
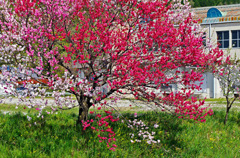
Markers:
point(144, 20)
point(223, 39)
point(204, 39)
point(236, 39)
point(154, 47)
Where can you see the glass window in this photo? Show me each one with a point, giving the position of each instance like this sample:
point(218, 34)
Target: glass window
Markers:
point(204, 39)
point(226, 44)
point(234, 43)
point(223, 39)
point(219, 35)
point(236, 38)
point(234, 34)
point(226, 34)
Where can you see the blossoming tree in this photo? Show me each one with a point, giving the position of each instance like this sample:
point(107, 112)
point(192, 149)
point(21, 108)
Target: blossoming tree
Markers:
point(94, 49)
point(229, 79)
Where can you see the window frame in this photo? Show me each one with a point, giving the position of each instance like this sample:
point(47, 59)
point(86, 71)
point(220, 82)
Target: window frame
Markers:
point(223, 40)
point(236, 39)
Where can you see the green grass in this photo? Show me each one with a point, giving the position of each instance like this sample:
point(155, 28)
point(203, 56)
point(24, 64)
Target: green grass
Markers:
point(221, 101)
point(215, 99)
point(25, 109)
point(57, 136)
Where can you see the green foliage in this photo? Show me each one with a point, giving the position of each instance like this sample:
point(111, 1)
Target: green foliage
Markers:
point(204, 3)
point(57, 136)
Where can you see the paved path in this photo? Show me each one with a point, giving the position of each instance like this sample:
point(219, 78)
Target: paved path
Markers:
point(121, 103)
point(50, 102)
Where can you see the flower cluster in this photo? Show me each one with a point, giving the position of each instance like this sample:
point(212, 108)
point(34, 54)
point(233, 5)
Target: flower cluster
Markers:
point(141, 132)
point(101, 125)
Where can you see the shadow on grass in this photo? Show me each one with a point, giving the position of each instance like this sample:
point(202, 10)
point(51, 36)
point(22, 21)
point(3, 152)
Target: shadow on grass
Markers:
point(19, 133)
point(58, 135)
point(167, 132)
point(170, 125)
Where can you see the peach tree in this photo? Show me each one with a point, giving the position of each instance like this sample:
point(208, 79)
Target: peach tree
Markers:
point(97, 49)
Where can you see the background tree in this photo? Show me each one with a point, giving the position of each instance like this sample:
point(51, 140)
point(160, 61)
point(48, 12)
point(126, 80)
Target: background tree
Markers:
point(229, 79)
point(130, 47)
point(202, 3)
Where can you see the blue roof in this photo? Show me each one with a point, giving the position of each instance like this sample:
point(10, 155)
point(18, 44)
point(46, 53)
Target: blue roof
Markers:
point(214, 13)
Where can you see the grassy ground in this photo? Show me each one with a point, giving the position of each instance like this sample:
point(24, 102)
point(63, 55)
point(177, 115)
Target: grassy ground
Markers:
point(215, 99)
point(222, 102)
point(57, 136)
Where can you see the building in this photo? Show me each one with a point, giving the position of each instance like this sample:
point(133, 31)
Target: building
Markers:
point(222, 25)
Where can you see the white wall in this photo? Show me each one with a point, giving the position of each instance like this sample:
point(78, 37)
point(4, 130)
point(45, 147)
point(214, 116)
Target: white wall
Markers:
point(228, 26)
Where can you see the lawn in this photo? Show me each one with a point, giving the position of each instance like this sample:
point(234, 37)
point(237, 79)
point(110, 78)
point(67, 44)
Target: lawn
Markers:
point(57, 136)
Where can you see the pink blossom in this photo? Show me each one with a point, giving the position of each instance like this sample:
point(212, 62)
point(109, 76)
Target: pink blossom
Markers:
point(156, 126)
point(135, 114)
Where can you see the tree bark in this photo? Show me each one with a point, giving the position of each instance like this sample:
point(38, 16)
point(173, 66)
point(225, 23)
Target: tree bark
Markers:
point(84, 105)
point(229, 105)
point(82, 115)
point(226, 116)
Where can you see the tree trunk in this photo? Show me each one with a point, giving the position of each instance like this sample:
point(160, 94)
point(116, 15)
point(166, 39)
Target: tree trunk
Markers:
point(84, 105)
point(229, 105)
point(82, 115)
point(226, 116)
